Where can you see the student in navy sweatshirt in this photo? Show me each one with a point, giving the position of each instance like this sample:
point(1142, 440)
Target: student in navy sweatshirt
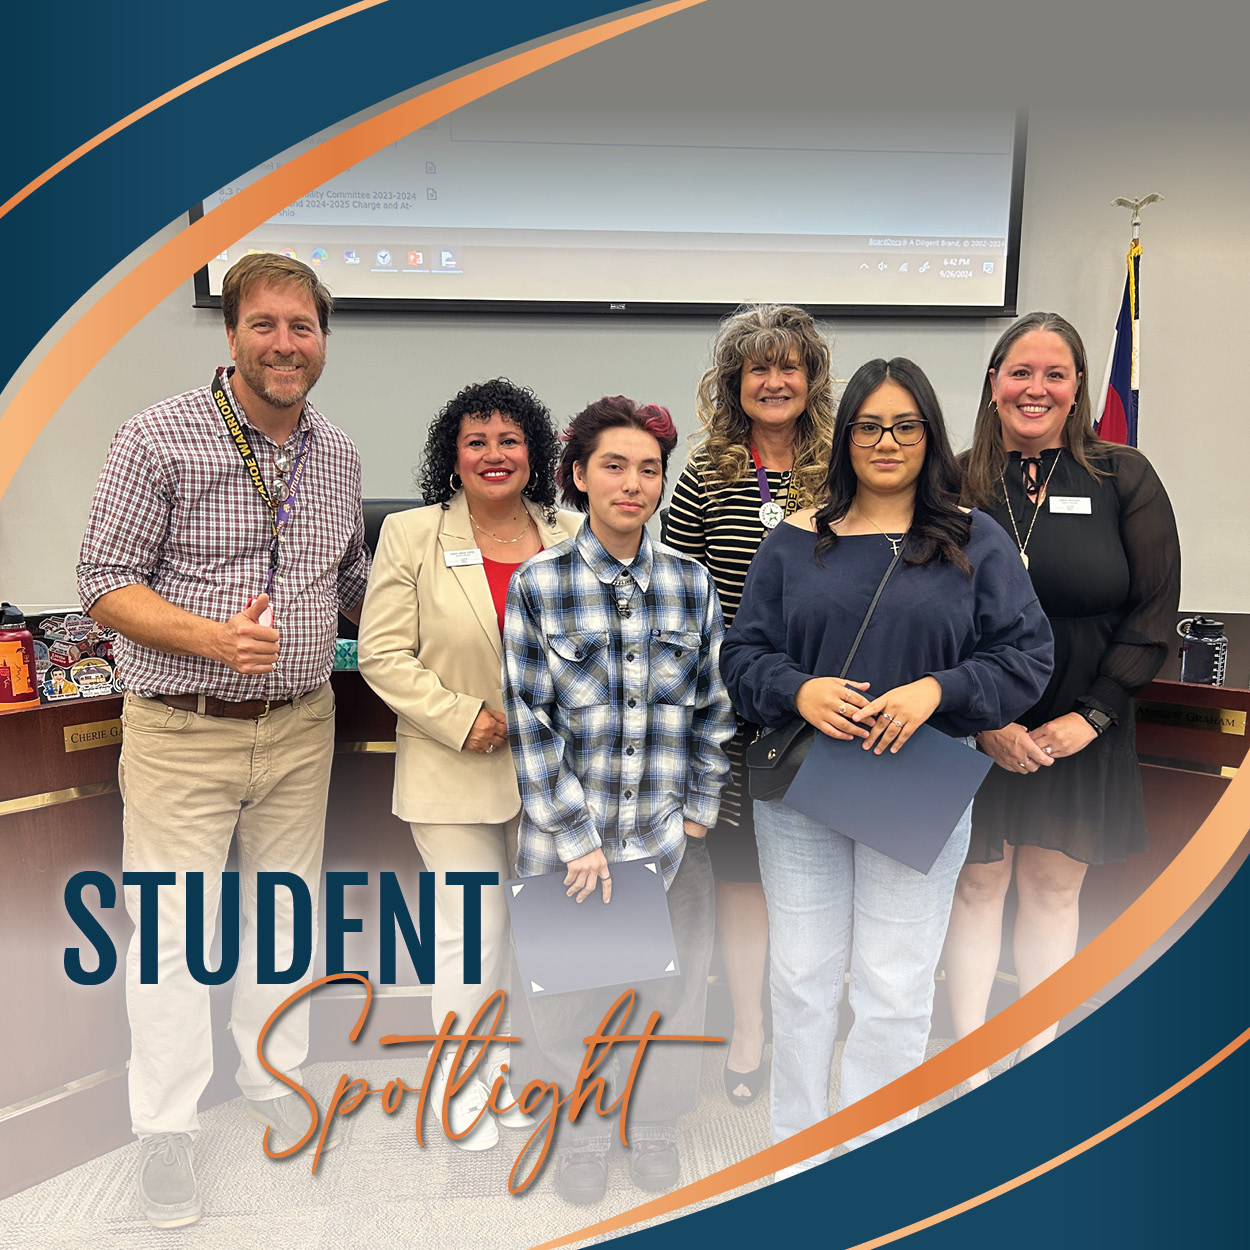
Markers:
point(957, 639)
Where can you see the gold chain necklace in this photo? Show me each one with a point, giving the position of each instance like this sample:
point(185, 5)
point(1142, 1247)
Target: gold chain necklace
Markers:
point(1037, 508)
point(503, 541)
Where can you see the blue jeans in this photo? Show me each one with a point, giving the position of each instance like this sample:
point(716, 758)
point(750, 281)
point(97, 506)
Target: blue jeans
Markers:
point(827, 895)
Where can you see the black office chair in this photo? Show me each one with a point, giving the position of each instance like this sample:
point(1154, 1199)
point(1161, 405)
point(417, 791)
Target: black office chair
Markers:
point(376, 511)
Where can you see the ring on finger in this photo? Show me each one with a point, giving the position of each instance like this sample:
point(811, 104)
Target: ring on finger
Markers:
point(1049, 750)
point(841, 709)
point(886, 716)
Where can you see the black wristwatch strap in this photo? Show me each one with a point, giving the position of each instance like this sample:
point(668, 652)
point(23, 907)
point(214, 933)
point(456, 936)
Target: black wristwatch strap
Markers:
point(1100, 721)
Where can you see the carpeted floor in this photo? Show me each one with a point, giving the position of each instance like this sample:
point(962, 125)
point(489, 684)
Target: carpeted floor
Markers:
point(379, 1190)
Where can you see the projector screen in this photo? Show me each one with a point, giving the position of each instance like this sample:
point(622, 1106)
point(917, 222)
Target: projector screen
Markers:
point(639, 209)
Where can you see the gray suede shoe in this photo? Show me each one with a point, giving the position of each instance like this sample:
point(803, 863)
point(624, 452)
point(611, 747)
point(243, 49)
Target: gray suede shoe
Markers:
point(289, 1117)
point(169, 1194)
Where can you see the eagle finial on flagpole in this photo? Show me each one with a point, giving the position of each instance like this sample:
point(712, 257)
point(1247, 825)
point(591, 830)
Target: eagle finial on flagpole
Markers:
point(1137, 205)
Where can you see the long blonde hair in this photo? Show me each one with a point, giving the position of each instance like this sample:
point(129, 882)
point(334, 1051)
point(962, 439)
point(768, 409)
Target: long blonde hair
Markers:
point(985, 461)
point(764, 334)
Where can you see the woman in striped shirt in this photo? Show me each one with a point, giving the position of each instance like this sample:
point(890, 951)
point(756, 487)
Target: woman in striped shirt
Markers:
point(766, 408)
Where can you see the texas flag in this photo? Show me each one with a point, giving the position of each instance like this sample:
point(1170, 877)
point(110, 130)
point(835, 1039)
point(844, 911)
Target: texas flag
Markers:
point(1118, 423)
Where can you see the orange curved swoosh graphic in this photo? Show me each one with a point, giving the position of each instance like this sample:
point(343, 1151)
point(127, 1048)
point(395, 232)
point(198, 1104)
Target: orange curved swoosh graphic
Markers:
point(1146, 920)
point(161, 100)
point(1042, 1168)
point(119, 309)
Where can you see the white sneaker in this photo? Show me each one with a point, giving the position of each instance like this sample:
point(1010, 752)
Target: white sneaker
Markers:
point(466, 1107)
point(513, 1117)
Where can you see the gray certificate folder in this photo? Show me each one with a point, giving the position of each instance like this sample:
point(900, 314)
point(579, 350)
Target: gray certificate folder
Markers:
point(903, 805)
point(562, 945)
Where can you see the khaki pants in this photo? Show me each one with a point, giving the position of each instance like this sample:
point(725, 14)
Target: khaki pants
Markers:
point(189, 784)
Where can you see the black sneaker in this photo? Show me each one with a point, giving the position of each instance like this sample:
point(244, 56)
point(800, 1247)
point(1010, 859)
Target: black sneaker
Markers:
point(654, 1165)
point(169, 1194)
point(581, 1176)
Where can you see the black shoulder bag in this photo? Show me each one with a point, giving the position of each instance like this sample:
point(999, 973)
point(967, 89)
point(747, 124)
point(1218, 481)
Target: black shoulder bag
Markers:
point(775, 755)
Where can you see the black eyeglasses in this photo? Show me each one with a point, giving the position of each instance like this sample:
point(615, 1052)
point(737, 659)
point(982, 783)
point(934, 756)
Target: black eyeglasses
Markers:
point(905, 433)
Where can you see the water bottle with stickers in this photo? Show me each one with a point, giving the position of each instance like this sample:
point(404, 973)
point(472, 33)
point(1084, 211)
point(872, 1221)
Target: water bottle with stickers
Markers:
point(1204, 650)
point(17, 662)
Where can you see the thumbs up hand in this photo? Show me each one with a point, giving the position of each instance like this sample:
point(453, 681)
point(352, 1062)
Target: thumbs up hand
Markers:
point(245, 644)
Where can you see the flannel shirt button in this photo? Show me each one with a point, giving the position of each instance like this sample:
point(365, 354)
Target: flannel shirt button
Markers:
point(630, 656)
point(655, 633)
point(629, 750)
point(629, 794)
point(632, 703)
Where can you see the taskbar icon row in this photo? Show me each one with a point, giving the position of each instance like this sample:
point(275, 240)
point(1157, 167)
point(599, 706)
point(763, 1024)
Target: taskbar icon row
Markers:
point(378, 259)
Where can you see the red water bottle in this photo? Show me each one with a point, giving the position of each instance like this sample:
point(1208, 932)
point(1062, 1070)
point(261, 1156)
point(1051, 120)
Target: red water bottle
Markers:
point(17, 662)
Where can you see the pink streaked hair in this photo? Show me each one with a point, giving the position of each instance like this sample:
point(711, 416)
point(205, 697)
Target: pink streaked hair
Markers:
point(609, 413)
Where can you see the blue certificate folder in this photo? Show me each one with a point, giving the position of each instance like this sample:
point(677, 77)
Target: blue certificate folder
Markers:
point(562, 945)
point(903, 805)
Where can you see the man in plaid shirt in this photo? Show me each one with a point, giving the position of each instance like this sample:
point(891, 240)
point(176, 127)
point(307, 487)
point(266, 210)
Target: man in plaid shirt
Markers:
point(618, 716)
point(225, 536)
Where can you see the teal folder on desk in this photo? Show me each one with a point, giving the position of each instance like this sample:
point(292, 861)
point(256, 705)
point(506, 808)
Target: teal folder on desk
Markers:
point(905, 806)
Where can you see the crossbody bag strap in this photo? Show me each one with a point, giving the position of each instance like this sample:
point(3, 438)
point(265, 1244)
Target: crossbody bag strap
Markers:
point(846, 668)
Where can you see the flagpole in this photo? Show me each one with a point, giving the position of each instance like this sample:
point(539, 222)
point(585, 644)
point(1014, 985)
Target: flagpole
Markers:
point(1132, 327)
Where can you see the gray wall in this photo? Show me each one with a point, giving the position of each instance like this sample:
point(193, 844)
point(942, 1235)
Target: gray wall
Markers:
point(388, 373)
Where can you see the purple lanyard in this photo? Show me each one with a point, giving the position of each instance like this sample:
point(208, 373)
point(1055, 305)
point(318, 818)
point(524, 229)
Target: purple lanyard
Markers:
point(761, 473)
point(771, 514)
point(279, 513)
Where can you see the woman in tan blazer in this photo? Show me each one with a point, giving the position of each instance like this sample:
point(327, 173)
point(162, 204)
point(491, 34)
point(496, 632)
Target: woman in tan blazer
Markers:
point(430, 646)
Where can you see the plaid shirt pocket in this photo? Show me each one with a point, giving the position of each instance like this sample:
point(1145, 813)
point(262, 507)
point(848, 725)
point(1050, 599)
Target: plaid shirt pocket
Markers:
point(673, 667)
point(580, 669)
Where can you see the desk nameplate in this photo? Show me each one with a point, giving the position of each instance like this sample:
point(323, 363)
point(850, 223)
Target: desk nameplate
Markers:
point(91, 734)
point(1219, 720)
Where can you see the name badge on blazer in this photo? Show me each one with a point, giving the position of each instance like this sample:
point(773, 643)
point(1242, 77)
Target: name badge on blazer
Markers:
point(458, 559)
point(1073, 505)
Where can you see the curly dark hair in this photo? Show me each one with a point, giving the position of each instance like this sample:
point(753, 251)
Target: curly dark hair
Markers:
point(610, 413)
point(524, 409)
point(940, 529)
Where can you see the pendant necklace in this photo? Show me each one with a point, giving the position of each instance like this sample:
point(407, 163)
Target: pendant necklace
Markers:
point(895, 543)
point(1015, 529)
point(623, 587)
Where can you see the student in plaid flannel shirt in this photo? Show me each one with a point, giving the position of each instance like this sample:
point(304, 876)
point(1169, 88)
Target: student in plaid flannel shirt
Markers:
point(618, 718)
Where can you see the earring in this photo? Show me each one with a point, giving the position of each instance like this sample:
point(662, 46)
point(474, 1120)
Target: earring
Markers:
point(453, 480)
point(994, 406)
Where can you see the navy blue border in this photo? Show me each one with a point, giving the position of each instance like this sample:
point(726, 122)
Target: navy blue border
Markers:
point(1176, 1176)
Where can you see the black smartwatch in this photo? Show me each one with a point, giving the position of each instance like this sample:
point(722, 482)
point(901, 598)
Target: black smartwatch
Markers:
point(1100, 721)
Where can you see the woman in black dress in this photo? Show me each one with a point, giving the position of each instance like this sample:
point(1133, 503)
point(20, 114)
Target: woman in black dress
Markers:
point(1095, 529)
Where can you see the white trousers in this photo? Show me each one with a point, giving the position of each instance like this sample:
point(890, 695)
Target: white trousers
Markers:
point(467, 848)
